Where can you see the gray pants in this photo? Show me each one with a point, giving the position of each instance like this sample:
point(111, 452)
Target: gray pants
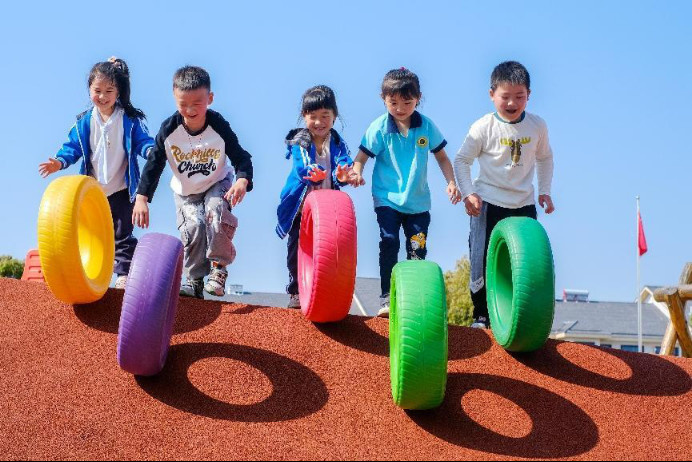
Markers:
point(206, 227)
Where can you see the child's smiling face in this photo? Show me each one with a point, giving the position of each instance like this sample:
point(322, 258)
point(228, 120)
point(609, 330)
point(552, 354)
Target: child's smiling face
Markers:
point(192, 105)
point(104, 94)
point(510, 100)
point(319, 122)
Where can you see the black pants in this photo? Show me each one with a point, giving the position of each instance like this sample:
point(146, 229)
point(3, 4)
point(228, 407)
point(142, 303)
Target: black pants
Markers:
point(125, 242)
point(416, 232)
point(292, 257)
point(494, 215)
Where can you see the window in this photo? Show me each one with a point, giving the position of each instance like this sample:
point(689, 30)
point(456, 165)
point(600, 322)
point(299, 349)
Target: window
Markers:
point(587, 343)
point(629, 347)
point(676, 352)
point(606, 345)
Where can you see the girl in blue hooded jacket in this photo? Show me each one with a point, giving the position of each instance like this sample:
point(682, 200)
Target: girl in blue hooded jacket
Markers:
point(321, 160)
point(108, 138)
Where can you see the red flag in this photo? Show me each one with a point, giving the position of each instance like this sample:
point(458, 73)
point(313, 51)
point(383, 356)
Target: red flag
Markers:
point(641, 238)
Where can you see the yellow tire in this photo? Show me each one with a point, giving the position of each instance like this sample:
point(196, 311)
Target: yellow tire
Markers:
point(75, 239)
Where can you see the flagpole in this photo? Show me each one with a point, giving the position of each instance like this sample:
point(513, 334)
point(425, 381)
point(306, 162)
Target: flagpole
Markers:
point(639, 298)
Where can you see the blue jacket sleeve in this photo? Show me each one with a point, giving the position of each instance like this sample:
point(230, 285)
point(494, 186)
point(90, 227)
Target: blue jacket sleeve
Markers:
point(156, 162)
point(300, 168)
point(71, 150)
point(342, 158)
point(142, 141)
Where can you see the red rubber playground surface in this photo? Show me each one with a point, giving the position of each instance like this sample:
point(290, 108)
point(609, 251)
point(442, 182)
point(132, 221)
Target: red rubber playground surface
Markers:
point(245, 382)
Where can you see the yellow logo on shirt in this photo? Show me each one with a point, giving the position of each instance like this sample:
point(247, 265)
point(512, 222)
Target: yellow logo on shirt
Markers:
point(422, 142)
point(515, 148)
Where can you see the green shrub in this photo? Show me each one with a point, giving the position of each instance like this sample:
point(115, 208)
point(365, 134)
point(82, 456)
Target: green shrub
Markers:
point(11, 267)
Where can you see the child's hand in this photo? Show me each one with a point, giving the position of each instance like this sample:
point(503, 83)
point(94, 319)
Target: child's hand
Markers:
point(51, 166)
point(315, 173)
point(343, 173)
point(546, 202)
point(236, 194)
point(473, 204)
point(140, 212)
point(356, 179)
point(346, 174)
point(453, 193)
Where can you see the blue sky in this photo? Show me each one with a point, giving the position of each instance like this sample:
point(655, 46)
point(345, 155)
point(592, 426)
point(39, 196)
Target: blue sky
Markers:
point(611, 79)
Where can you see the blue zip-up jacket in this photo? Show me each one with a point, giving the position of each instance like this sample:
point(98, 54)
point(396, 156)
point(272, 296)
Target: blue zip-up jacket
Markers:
point(136, 141)
point(301, 148)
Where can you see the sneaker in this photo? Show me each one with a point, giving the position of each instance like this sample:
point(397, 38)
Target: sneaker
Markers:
point(384, 307)
point(294, 301)
point(121, 282)
point(193, 288)
point(216, 284)
point(481, 322)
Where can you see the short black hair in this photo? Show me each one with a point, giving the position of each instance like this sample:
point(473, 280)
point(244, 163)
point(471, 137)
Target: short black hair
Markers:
point(510, 72)
point(319, 97)
point(189, 78)
point(401, 82)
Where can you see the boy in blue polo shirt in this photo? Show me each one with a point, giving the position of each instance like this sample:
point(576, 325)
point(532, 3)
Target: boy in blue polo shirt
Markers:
point(400, 142)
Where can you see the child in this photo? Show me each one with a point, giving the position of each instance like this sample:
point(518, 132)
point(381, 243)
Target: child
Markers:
point(321, 160)
point(108, 138)
point(197, 142)
point(509, 144)
point(400, 141)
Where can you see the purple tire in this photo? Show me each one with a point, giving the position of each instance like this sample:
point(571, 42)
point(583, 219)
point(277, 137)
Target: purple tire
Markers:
point(149, 304)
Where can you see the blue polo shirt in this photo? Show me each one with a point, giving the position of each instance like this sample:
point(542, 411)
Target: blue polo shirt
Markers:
point(400, 176)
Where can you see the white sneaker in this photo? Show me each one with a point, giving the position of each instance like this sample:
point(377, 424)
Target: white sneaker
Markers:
point(120, 282)
point(216, 284)
point(384, 307)
point(294, 301)
point(193, 288)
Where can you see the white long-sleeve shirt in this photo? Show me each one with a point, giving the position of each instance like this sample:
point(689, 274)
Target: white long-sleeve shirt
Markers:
point(108, 159)
point(508, 154)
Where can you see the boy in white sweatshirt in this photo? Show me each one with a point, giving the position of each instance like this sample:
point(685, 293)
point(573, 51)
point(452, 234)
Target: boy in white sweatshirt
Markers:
point(510, 144)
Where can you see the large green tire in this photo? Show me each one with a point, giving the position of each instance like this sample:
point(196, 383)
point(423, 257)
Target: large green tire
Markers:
point(418, 335)
point(520, 284)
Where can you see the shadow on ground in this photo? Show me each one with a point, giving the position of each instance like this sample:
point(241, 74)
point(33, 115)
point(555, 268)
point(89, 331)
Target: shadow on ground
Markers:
point(104, 314)
point(559, 428)
point(297, 391)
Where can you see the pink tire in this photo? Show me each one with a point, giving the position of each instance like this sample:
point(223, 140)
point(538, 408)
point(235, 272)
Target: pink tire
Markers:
point(327, 256)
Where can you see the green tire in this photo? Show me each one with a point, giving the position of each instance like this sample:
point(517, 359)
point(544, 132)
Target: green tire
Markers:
point(418, 335)
point(520, 284)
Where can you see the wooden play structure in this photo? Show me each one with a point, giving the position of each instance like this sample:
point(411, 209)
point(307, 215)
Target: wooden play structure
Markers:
point(675, 298)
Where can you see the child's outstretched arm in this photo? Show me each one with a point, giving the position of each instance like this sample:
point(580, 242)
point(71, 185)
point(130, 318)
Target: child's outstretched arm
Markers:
point(140, 212)
point(142, 142)
point(242, 163)
point(151, 173)
point(448, 172)
point(544, 171)
point(49, 167)
point(69, 153)
point(468, 152)
point(358, 165)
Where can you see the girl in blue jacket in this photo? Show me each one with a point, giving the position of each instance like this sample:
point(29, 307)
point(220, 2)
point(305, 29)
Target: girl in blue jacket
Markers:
point(108, 138)
point(321, 160)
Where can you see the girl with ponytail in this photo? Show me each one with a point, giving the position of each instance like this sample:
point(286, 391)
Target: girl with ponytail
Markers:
point(108, 139)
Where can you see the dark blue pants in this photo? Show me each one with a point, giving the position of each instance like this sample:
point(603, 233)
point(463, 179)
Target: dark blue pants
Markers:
point(416, 233)
point(292, 257)
point(494, 215)
point(125, 242)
